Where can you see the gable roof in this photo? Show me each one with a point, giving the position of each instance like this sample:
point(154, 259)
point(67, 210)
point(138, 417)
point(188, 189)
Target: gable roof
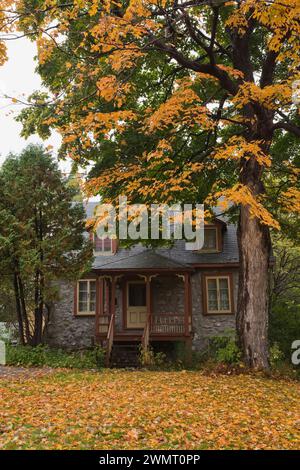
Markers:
point(145, 260)
point(177, 257)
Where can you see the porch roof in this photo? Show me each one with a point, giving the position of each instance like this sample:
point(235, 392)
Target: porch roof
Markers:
point(146, 260)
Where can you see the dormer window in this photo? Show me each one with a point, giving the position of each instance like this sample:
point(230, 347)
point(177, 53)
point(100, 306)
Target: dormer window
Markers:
point(103, 245)
point(210, 239)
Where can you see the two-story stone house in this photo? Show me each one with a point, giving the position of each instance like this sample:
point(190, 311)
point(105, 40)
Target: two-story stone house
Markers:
point(150, 296)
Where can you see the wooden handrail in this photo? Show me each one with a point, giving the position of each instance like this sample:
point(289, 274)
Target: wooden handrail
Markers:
point(103, 324)
point(110, 339)
point(146, 333)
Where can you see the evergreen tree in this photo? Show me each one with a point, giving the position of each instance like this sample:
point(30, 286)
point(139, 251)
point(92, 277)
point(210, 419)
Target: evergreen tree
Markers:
point(41, 236)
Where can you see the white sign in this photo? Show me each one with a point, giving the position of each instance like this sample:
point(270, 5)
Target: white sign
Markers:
point(2, 353)
point(296, 353)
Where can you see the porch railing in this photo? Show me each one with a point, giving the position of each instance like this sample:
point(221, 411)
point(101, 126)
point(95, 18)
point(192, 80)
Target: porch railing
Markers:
point(157, 324)
point(168, 324)
point(104, 321)
point(146, 333)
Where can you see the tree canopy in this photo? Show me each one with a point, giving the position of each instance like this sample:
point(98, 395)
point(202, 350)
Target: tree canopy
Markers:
point(41, 236)
point(170, 93)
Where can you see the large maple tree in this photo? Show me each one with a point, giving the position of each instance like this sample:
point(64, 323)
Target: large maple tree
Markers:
point(179, 100)
point(5, 26)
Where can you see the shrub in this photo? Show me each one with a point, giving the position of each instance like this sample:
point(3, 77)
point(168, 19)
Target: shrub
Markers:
point(151, 359)
point(284, 326)
point(276, 355)
point(43, 356)
point(224, 349)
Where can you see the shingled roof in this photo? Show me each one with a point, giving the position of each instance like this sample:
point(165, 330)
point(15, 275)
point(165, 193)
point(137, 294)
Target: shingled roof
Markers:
point(177, 257)
point(145, 260)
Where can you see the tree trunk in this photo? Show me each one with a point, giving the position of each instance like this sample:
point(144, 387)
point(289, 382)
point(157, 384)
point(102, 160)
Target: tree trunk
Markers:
point(24, 310)
point(254, 252)
point(18, 310)
point(253, 296)
point(39, 283)
point(38, 312)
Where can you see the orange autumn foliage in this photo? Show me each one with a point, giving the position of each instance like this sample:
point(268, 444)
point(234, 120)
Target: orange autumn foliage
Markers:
point(147, 410)
point(118, 42)
point(5, 26)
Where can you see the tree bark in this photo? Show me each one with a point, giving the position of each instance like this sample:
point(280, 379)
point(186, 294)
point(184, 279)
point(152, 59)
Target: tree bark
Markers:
point(253, 296)
point(18, 310)
point(24, 310)
point(39, 282)
point(38, 312)
point(254, 253)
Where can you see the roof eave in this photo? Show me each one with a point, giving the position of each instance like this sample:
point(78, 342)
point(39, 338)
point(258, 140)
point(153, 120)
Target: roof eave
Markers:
point(144, 270)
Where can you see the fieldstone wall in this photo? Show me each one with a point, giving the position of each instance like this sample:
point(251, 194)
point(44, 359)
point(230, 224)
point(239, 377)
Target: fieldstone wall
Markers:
point(65, 330)
point(205, 326)
point(167, 294)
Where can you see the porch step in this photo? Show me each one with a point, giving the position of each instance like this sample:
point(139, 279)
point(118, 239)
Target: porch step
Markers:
point(125, 355)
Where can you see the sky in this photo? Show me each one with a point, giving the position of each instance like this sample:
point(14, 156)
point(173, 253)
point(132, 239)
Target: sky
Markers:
point(18, 79)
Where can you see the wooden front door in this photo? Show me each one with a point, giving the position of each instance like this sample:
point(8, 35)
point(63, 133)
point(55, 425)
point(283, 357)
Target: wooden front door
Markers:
point(136, 304)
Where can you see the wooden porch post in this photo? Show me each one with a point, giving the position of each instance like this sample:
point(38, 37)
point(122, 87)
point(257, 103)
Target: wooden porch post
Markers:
point(113, 296)
point(107, 301)
point(101, 296)
point(112, 322)
point(147, 329)
point(187, 303)
point(148, 296)
point(99, 305)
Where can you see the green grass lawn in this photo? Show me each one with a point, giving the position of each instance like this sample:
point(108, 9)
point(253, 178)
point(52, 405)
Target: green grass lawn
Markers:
point(147, 410)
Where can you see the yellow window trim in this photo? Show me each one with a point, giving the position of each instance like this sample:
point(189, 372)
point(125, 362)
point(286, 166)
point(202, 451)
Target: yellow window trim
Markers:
point(86, 312)
point(217, 278)
point(212, 250)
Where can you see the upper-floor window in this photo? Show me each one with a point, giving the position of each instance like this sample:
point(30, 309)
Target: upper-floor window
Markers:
point(102, 245)
point(210, 239)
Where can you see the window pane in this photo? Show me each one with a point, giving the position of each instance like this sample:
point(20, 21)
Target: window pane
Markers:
point(83, 286)
point(210, 239)
point(82, 307)
point(137, 295)
point(107, 244)
point(212, 301)
point(224, 294)
point(212, 284)
point(212, 294)
point(92, 296)
point(93, 286)
point(223, 283)
point(98, 243)
point(83, 296)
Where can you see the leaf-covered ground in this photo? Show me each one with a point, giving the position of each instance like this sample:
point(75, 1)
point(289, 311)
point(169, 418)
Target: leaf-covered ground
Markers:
point(147, 410)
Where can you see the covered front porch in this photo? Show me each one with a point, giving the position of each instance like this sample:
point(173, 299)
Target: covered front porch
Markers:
point(149, 300)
